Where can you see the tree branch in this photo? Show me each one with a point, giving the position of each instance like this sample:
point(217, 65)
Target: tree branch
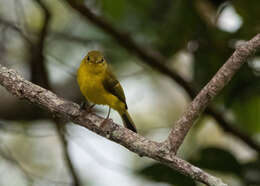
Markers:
point(214, 86)
point(157, 62)
point(24, 89)
point(16, 109)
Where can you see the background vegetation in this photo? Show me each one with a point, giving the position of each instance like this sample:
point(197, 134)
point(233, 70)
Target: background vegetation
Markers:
point(196, 37)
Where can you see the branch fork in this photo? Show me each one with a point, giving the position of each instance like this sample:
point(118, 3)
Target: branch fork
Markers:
point(155, 60)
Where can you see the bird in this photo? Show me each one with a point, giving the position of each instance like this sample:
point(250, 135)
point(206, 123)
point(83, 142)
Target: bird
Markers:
point(100, 86)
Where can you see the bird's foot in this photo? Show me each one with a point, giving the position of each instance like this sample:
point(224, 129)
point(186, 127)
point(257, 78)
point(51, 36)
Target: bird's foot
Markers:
point(88, 109)
point(82, 105)
point(106, 121)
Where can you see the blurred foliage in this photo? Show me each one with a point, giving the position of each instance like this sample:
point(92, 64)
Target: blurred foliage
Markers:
point(222, 161)
point(172, 27)
point(210, 158)
point(218, 159)
point(250, 173)
point(181, 23)
point(161, 173)
point(249, 11)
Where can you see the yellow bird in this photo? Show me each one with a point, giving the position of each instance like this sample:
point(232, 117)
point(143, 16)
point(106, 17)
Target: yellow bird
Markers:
point(100, 86)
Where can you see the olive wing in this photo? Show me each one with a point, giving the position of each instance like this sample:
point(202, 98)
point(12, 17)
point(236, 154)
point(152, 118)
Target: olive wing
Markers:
point(112, 85)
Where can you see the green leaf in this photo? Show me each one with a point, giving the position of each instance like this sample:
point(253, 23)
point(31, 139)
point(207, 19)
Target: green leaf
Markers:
point(217, 159)
point(246, 112)
point(161, 173)
point(251, 172)
point(178, 27)
point(114, 9)
point(249, 11)
point(211, 54)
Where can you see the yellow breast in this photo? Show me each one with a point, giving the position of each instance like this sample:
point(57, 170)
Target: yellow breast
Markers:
point(91, 85)
point(90, 80)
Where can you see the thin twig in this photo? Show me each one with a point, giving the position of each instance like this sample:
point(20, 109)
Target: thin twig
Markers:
point(30, 175)
point(21, 16)
point(61, 128)
point(6, 154)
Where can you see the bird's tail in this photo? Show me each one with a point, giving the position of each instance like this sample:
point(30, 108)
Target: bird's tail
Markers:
point(128, 122)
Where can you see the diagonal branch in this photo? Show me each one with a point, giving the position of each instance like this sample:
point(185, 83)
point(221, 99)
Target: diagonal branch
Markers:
point(157, 62)
point(24, 89)
point(214, 86)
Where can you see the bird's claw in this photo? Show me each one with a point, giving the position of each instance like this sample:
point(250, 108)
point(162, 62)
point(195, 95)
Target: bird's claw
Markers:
point(88, 109)
point(82, 105)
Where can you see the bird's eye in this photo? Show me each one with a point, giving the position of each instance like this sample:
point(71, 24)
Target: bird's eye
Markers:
point(102, 60)
point(88, 58)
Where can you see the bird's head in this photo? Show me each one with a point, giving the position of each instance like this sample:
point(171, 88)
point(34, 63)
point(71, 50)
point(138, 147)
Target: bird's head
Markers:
point(95, 57)
point(94, 62)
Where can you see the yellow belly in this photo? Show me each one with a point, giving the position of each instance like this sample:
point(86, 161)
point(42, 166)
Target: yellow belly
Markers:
point(92, 88)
